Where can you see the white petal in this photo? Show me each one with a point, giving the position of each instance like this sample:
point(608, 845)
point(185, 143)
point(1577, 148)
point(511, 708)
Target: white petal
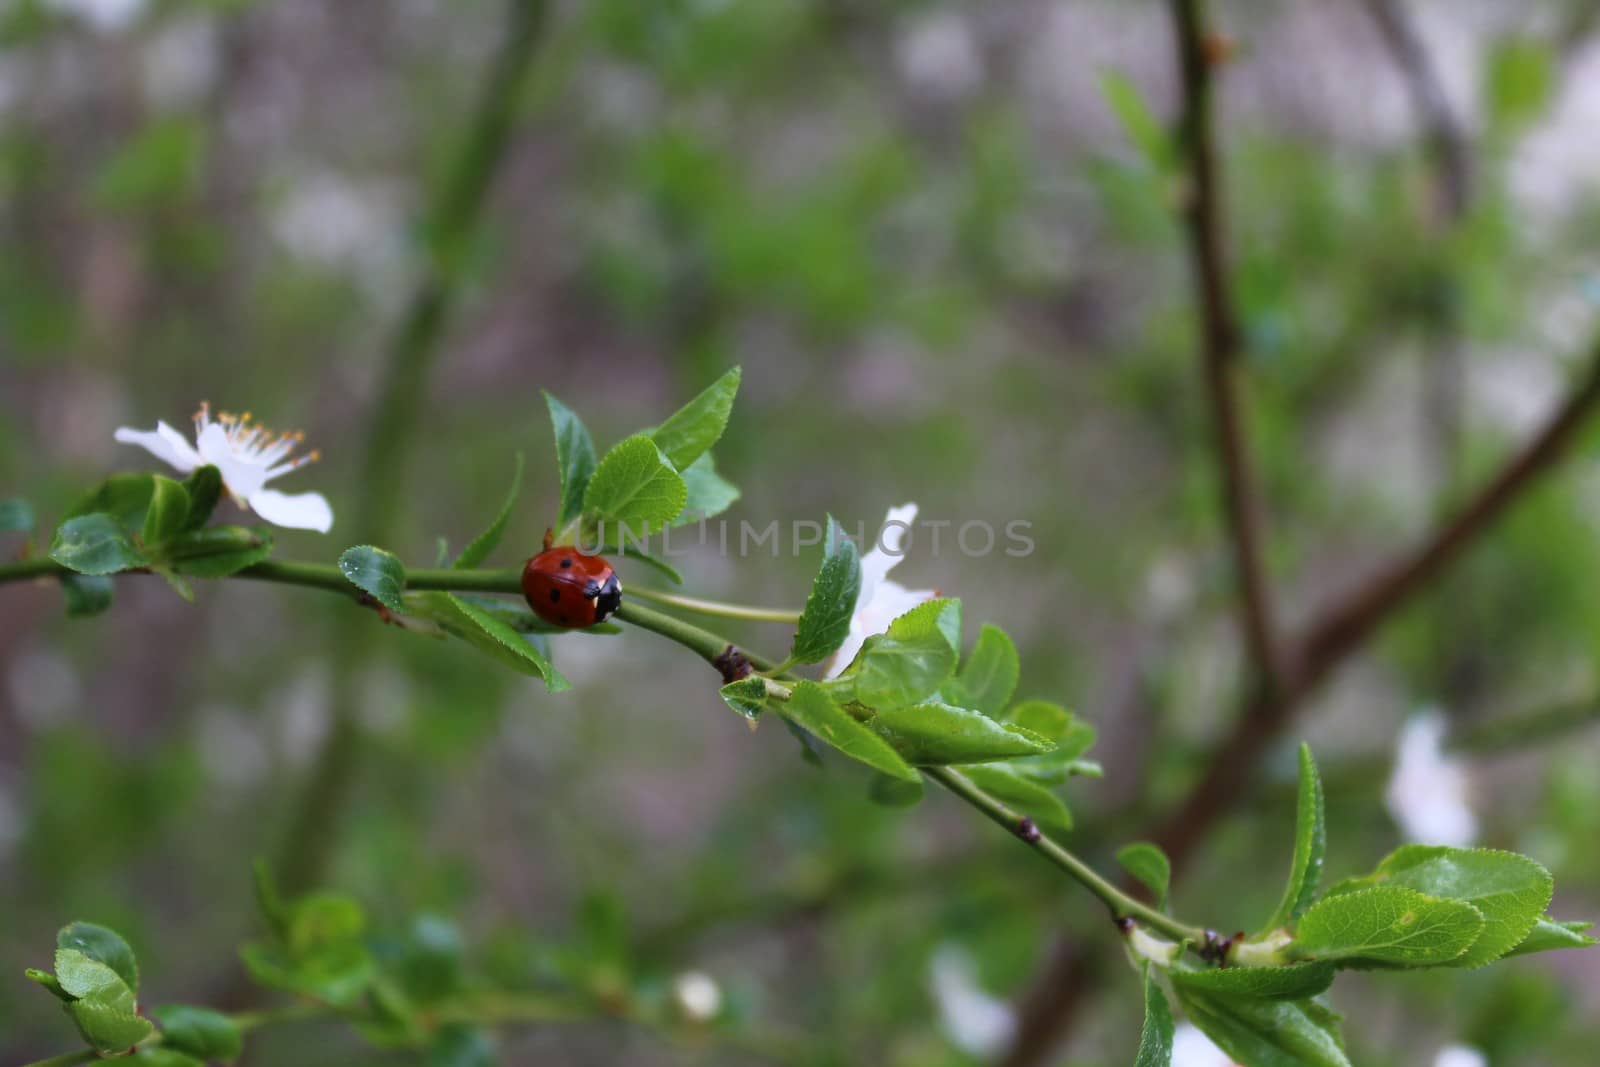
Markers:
point(1429, 792)
point(300, 511)
point(165, 443)
point(243, 478)
point(888, 550)
point(1191, 1048)
point(974, 1020)
point(1461, 1056)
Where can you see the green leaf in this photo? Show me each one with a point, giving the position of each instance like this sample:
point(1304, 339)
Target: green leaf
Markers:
point(86, 594)
point(635, 487)
point(1510, 891)
point(1310, 845)
point(375, 572)
point(48, 980)
point(1388, 924)
point(1072, 736)
point(479, 548)
point(1549, 934)
point(989, 676)
point(575, 458)
point(1520, 80)
point(486, 633)
point(320, 920)
point(812, 708)
point(1266, 1033)
point(268, 901)
point(895, 792)
point(16, 516)
point(698, 425)
point(526, 622)
point(1147, 863)
point(1155, 1040)
point(1027, 796)
point(204, 489)
point(125, 497)
point(709, 493)
point(1298, 981)
point(200, 1032)
point(103, 944)
point(825, 623)
point(747, 696)
point(942, 733)
point(218, 551)
point(907, 663)
point(167, 513)
point(1144, 129)
point(86, 978)
point(108, 1026)
point(162, 1056)
point(95, 544)
point(629, 551)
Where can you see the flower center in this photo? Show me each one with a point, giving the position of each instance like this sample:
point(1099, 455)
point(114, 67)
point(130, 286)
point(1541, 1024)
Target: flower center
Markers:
point(250, 442)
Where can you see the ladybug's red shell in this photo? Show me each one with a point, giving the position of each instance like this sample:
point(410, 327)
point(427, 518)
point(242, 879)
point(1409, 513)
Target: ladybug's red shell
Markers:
point(566, 588)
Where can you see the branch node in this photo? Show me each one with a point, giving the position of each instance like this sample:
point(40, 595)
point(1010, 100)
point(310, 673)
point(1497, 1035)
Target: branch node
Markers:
point(733, 664)
point(1028, 830)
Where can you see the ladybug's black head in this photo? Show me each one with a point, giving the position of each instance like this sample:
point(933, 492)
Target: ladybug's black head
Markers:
point(609, 599)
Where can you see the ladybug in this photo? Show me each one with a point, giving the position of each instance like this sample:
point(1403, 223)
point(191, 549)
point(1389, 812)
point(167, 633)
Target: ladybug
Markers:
point(566, 588)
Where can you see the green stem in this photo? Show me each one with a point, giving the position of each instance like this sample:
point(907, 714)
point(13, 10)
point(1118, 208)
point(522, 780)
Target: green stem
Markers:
point(707, 645)
point(23, 569)
point(715, 607)
point(714, 649)
point(1121, 904)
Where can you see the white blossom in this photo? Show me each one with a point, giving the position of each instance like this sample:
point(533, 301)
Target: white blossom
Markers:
point(1429, 790)
point(881, 600)
point(698, 996)
point(1460, 1056)
point(1191, 1048)
point(248, 456)
point(975, 1021)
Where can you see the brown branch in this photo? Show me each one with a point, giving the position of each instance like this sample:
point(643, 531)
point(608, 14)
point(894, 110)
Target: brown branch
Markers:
point(1219, 341)
point(1446, 140)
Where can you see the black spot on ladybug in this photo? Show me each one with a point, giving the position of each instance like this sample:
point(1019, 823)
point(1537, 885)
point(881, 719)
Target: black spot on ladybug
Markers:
point(555, 594)
point(566, 562)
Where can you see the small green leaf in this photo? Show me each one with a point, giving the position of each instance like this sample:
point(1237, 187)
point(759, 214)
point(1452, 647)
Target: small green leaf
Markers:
point(825, 623)
point(16, 516)
point(1549, 934)
point(575, 458)
point(812, 708)
point(323, 919)
point(709, 493)
point(942, 733)
point(895, 792)
point(1310, 845)
point(268, 901)
point(1148, 133)
point(1155, 1040)
point(167, 513)
point(479, 548)
point(1520, 79)
point(747, 696)
point(95, 544)
point(1510, 891)
point(526, 622)
point(909, 662)
point(486, 633)
point(1388, 924)
point(48, 980)
point(1266, 1033)
point(108, 1026)
point(375, 572)
point(204, 489)
point(635, 487)
point(698, 425)
point(1298, 981)
point(86, 594)
point(86, 978)
point(1147, 863)
point(125, 497)
point(1027, 796)
point(989, 676)
point(200, 1032)
point(103, 944)
point(218, 551)
point(1072, 736)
